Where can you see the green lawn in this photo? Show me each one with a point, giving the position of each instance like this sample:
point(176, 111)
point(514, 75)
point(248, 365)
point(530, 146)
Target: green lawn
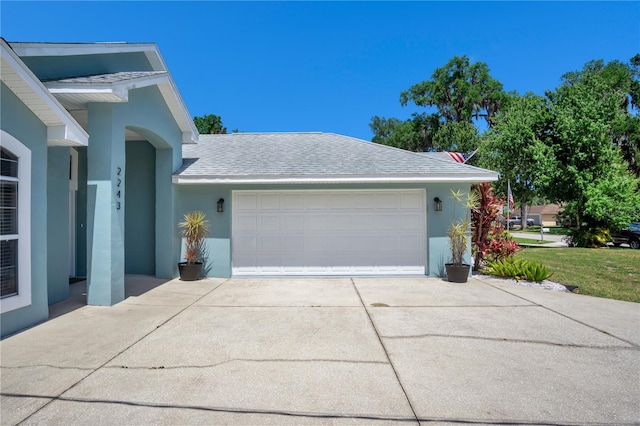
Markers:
point(613, 273)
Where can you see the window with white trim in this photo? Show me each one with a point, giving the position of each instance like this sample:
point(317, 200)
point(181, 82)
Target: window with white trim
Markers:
point(8, 223)
point(15, 223)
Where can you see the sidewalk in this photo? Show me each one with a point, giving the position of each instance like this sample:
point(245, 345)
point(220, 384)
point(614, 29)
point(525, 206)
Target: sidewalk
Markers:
point(554, 240)
point(329, 351)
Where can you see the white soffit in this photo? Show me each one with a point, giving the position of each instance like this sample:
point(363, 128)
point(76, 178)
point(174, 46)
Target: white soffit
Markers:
point(62, 129)
point(25, 49)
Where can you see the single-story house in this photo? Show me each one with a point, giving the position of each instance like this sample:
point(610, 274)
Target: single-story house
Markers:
point(545, 215)
point(100, 160)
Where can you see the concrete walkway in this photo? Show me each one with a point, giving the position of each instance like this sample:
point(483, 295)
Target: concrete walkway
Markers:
point(329, 351)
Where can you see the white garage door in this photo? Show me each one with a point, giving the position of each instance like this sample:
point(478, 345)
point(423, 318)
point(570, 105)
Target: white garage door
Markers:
point(336, 232)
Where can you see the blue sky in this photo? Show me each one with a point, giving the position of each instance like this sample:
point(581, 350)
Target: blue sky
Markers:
point(331, 66)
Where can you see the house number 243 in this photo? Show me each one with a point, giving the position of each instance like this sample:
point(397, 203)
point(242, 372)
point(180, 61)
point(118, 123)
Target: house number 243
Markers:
point(118, 187)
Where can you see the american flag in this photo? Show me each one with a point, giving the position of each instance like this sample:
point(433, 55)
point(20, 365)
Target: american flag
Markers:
point(512, 206)
point(460, 157)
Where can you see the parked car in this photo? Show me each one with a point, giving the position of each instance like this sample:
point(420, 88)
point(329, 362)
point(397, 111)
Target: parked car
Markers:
point(629, 235)
point(517, 220)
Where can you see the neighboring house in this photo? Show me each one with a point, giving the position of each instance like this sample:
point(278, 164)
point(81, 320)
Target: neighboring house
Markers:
point(94, 183)
point(545, 215)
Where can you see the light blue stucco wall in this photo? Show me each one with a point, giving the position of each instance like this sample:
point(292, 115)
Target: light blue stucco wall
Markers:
point(218, 246)
point(58, 224)
point(21, 123)
point(438, 224)
point(140, 216)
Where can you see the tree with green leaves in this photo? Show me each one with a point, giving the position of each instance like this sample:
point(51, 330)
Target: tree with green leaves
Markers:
point(457, 93)
point(460, 91)
point(209, 124)
point(621, 81)
point(515, 146)
point(588, 172)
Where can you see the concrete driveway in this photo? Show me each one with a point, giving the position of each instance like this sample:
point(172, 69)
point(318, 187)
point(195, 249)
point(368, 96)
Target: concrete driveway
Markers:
point(329, 351)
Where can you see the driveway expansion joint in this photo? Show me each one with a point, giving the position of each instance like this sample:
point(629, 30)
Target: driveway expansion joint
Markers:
point(635, 345)
point(386, 352)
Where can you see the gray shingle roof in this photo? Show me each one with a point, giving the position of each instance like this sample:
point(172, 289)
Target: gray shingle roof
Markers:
point(313, 157)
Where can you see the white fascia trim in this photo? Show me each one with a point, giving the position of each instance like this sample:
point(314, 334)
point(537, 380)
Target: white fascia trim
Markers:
point(177, 179)
point(191, 127)
point(77, 49)
point(78, 136)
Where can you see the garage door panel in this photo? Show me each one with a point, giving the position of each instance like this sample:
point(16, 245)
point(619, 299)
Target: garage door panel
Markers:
point(315, 201)
point(410, 221)
point(246, 244)
point(329, 232)
point(244, 202)
point(292, 222)
point(269, 202)
point(270, 222)
point(292, 244)
point(339, 201)
point(270, 244)
point(292, 202)
point(407, 201)
point(316, 243)
point(364, 201)
point(246, 223)
point(316, 222)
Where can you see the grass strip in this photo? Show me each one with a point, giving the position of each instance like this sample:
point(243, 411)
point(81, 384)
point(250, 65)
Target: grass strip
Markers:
point(611, 273)
point(529, 241)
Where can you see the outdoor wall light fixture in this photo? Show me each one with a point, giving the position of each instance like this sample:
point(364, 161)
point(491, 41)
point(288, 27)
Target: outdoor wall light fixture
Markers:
point(438, 204)
point(221, 205)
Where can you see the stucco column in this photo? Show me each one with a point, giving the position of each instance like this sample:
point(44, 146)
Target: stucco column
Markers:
point(105, 205)
point(166, 241)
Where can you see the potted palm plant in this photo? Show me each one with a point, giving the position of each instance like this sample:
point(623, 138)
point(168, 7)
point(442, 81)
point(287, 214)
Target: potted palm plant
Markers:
point(195, 228)
point(458, 233)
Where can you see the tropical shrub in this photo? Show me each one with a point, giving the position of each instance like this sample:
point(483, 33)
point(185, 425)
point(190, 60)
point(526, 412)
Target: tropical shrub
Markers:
point(519, 269)
point(501, 246)
point(484, 221)
point(458, 230)
point(194, 230)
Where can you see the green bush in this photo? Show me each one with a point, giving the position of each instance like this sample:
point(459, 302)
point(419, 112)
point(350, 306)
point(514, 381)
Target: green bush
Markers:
point(519, 269)
point(589, 237)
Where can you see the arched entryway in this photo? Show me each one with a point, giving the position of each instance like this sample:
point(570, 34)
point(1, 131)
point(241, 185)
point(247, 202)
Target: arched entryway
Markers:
point(140, 212)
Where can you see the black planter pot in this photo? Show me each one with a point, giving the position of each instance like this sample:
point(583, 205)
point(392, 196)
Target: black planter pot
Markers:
point(190, 272)
point(457, 273)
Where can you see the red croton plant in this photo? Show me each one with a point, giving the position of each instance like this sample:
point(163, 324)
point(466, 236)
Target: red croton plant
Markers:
point(489, 240)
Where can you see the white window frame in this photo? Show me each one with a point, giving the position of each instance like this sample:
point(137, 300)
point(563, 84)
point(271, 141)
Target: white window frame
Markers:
point(23, 298)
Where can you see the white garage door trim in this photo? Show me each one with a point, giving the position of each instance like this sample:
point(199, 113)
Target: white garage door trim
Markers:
point(329, 232)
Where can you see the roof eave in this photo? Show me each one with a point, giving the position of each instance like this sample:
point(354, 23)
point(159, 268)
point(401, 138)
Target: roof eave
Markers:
point(77, 49)
point(119, 92)
point(62, 128)
point(471, 179)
